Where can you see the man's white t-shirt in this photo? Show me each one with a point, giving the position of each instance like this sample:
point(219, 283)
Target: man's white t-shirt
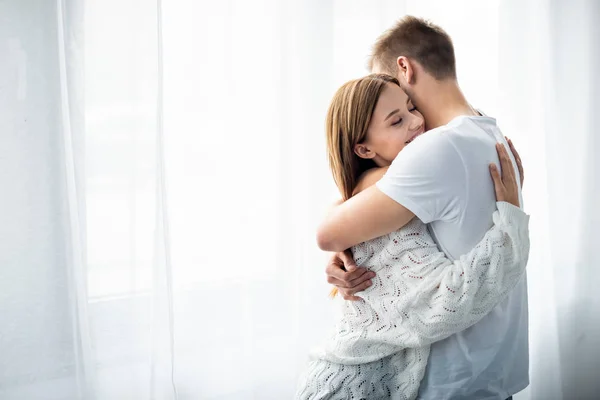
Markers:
point(444, 179)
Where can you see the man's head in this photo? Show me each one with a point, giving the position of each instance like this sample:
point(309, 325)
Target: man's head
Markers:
point(411, 50)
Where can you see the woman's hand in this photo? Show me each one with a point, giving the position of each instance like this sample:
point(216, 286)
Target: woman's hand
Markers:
point(506, 185)
point(517, 159)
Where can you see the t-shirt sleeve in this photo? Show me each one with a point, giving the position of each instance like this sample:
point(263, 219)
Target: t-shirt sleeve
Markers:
point(428, 177)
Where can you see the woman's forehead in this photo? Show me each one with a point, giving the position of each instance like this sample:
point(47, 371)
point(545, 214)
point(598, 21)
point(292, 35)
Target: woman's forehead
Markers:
point(392, 96)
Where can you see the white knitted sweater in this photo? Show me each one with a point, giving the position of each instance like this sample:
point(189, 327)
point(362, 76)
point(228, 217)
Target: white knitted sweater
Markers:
point(380, 346)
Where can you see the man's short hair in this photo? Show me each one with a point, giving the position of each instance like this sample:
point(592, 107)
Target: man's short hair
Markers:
point(420, 40)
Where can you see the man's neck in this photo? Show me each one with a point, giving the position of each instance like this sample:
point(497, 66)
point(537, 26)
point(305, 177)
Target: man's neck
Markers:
point(441, 102)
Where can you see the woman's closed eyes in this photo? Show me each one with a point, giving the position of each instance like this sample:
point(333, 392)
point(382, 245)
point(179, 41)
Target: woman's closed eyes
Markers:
point(399, 121)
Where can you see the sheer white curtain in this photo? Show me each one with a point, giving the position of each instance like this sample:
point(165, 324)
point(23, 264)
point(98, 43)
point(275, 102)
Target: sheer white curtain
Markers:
point(550, 54)
point(164, 169)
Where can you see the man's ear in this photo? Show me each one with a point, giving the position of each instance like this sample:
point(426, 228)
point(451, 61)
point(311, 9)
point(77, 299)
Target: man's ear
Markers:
point(363, 151)
point(405, 68)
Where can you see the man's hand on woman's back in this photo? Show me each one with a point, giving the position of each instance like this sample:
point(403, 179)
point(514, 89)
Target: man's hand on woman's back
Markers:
point(350, 279)
point(343, 273)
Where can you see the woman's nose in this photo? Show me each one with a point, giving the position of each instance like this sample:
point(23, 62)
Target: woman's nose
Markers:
point(417, 124)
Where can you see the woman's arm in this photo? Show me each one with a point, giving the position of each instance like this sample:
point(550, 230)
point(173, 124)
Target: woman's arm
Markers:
point(453, 299)
point(350, 280)
point(449, 297)
point(457, 296)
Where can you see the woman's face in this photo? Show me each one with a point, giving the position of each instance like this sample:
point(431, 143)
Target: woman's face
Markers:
point(394, 124)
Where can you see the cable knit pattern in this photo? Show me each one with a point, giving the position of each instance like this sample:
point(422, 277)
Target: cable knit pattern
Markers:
point(379, 347)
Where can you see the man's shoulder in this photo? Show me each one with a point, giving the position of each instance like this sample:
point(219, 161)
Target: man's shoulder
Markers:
point(469, 135)
point(436, 143)
point(433, 154)
point(460, 140)
point(475, 127)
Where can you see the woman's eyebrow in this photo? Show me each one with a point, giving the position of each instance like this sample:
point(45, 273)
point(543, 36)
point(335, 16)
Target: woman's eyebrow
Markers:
point(390, 114)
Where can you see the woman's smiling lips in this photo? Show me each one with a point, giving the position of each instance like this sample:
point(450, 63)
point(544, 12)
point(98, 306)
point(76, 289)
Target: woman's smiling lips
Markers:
point(418, 133)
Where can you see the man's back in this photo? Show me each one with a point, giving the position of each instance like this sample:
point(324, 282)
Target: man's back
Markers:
point(443, 177)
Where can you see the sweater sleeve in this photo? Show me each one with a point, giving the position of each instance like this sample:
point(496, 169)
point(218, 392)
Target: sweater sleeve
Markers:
point(449, 297)
point(457, 296)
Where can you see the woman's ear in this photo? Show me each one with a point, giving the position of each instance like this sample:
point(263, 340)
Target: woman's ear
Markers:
point(363, 151)
point(405, 68)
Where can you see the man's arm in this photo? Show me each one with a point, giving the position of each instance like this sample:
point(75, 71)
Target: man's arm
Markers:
point(350, 279)
point(438, 298)
point(367, 215)
point(421, 181)
point(342, 264)
point(367, 179)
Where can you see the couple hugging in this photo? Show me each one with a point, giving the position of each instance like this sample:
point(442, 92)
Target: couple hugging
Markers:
point(437, 304)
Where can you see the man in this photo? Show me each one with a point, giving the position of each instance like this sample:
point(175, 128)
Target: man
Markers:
point(441, 178)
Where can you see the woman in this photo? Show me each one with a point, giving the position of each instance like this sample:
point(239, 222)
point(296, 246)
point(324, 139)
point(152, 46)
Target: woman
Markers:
point(380, 346)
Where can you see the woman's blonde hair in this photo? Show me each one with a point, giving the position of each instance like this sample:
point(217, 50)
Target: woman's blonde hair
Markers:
point(347, 123)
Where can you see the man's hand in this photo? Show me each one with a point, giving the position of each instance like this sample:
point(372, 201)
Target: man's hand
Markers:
point(346, 276)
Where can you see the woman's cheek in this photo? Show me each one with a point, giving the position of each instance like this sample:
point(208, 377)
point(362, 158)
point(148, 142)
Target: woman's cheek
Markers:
point(397, 149)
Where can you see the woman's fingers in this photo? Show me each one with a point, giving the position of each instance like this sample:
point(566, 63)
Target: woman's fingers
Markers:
point(505, 164)
point(517, 159)
point(498, 186)
point(509, 180)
